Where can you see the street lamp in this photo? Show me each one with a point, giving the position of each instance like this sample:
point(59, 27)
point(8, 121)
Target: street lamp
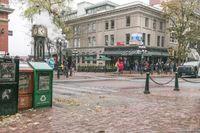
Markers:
point(142, 51)
point(75, 52)
point(60, 43)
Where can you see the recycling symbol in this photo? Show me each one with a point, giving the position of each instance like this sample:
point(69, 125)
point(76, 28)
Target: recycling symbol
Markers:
point(43, 98)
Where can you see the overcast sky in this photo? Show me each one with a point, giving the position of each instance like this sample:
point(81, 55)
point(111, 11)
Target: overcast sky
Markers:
point(19, 43)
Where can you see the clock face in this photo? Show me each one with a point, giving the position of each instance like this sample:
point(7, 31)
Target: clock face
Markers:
point(42, 31)
point(34, 31)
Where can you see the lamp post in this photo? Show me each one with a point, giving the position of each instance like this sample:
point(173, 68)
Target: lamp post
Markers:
point(142, 51)
point(59, 44)
point(75, 52)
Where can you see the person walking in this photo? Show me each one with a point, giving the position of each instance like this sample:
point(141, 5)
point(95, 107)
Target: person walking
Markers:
point(51, 63)
point(120, 65)
point(66, 69)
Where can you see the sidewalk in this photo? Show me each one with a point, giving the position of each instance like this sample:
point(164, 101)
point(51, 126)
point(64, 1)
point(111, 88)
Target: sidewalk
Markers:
point(91, 75)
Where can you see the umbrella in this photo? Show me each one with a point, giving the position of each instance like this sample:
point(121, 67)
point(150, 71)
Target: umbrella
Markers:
point(103, 58)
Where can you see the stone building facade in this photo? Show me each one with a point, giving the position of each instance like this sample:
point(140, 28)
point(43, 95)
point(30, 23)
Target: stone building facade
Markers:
point(107, 29)
point(5, 10)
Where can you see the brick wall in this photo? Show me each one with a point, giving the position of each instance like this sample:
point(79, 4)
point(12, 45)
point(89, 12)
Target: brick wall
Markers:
point(4, 1)
point(4, 29)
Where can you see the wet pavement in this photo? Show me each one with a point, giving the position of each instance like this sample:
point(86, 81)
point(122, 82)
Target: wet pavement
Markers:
point(124, 111)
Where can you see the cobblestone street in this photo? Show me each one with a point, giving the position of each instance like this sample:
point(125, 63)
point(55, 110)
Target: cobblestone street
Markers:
point(126, 111)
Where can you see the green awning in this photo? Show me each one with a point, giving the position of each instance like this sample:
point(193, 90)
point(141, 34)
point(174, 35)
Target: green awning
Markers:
point(156, 53)
point(103, 58)
point(135, 52)
point(89, 59)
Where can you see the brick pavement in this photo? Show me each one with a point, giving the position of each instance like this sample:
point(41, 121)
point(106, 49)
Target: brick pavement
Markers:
point(127, 111)
point(163, 111)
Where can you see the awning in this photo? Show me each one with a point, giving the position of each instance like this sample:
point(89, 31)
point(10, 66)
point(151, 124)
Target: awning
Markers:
point(89, 59)
point(124, 52)
point(135, 52)
point(156, 53)
point(103, 58)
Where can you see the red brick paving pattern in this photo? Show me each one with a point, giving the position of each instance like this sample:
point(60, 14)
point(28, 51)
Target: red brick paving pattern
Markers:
point(163, 111)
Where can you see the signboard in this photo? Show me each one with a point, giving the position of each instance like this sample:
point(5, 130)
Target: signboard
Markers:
point(7, 71)
point(136, 38)
point(23, 81)
point(10, 33)
point(120, 43)
point(44, 81)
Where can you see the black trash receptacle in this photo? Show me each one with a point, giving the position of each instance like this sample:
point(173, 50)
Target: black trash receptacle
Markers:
point(9, 78)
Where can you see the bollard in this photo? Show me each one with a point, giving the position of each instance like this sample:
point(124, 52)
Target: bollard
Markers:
point(146, 91)
point(176, 82)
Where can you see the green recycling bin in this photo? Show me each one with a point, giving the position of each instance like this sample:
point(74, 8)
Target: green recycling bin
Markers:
point(43, 78)
point(9, 80)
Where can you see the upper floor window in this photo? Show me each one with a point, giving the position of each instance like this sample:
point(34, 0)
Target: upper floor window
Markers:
point(154, 24)
point(76, 42)
point(93, 27)
point(127, 38)
point(112, 24)
point(75, 29)
point(128, 20)
point(158, 40)
point(89, 41)
point(144, 38)
point(146, 22)
point(148, 39)
point(162, 41)
point(106, 40)
point(93, 41)
point(112, 39)
point(89, 28)
point(161, 26)
point(106, 25)
point(173, 37)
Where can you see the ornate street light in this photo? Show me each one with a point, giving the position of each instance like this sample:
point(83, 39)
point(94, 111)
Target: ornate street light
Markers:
point(142, 51)
point(60, 43)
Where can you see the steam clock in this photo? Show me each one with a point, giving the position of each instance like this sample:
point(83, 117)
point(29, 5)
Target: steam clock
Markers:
point(39, 33)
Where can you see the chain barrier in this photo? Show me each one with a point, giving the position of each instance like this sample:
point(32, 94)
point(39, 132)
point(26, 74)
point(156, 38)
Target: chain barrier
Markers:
point(162, 83)
point(189, 81)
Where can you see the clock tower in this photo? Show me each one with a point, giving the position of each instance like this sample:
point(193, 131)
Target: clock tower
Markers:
point(39, 33)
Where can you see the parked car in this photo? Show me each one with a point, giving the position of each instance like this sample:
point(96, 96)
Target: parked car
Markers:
point(191, 68)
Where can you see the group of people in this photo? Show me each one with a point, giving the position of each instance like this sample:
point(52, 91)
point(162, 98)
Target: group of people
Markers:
point(147, 66)
point(67, 66)
point(160, 66)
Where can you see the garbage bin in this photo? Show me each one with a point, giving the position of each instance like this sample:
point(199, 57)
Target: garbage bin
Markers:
point(43, 78)
point(9, 78)
point(25, 87)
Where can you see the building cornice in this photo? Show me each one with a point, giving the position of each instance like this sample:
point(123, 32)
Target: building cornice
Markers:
point(115, 11)
point(6, 9)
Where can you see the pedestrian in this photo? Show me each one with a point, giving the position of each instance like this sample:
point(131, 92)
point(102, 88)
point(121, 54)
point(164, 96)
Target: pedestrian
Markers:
point(51, 63)
point(66, 69)
point(120, 65)
point(136, 65)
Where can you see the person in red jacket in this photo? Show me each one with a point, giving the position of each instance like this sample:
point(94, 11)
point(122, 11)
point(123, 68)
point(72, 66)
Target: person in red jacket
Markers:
point(120, 65)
